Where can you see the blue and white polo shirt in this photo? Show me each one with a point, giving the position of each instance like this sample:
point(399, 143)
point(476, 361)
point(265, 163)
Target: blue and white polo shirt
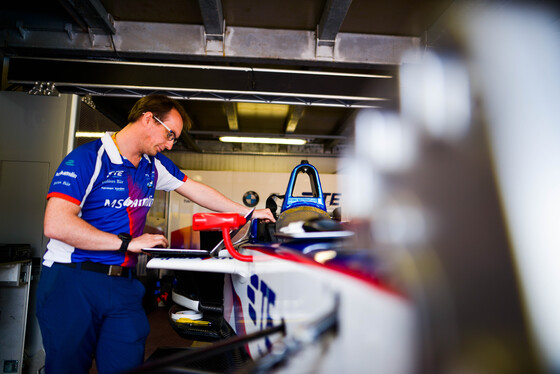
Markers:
point(114, 196)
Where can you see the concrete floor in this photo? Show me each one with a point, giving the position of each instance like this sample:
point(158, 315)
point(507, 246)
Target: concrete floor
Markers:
point(161, 333)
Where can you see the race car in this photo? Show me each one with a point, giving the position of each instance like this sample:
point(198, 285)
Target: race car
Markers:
point(299, 295)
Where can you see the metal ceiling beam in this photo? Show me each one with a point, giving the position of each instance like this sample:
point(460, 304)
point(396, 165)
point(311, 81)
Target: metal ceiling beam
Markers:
point(294, 115)
point(331, 20)
point(329, 26)
point(208, 142)
point(212, 16)
point(194, 82)
point(270, 135)
point(306, 150)
point(231, 114)
point(214, 25)
point(181, 42)
point(90, 14)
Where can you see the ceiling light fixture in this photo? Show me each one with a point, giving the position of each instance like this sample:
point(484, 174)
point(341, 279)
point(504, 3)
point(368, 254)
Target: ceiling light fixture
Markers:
point(247, 139)
point(84, 134)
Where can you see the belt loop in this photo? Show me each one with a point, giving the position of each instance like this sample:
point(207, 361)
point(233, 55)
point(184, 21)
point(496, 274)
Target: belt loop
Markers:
point(78, 265)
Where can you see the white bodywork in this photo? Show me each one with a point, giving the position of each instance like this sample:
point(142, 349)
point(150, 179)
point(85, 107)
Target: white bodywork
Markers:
point(375, 325)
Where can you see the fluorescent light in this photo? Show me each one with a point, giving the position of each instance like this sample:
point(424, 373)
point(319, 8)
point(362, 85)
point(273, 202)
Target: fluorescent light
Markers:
point(247, 139)
point(82, 134)
point(263, 110)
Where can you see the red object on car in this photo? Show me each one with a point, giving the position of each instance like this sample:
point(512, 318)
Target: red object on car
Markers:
point(216, 221)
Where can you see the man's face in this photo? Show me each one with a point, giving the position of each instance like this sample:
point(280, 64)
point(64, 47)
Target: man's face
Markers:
point(163, 132)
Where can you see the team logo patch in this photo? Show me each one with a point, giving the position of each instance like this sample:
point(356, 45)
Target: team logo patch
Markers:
point(250, 199)
point(150, 181)
point(69, 163)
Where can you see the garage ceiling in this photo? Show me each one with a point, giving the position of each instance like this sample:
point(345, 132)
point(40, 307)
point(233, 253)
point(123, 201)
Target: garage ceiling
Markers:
point(287, 68)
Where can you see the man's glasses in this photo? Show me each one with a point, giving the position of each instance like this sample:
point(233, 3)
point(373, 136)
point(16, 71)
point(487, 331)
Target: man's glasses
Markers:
point(170, 135)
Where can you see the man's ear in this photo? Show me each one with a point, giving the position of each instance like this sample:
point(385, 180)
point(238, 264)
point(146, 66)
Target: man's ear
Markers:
point(146, 118)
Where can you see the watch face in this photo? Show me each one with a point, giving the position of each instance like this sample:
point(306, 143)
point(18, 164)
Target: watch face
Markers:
point(126, 238)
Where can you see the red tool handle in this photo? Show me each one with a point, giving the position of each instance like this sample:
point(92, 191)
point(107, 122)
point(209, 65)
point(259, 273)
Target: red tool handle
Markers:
point(216, 221)
point(224, 222)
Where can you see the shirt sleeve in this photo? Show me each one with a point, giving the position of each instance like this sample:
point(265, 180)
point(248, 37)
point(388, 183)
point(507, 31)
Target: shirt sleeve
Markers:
point(73, 175)
point(170, 177)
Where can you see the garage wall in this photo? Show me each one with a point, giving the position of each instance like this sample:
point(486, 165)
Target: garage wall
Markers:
point(37, 132)
point(250, 163)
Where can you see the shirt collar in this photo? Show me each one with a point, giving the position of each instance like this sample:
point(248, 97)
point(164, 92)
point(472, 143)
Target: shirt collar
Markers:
point(112, 150)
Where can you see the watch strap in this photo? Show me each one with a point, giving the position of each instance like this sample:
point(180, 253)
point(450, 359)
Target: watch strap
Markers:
point(126, 238)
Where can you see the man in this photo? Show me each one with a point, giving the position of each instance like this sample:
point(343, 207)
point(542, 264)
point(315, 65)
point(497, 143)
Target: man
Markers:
point(88, 301)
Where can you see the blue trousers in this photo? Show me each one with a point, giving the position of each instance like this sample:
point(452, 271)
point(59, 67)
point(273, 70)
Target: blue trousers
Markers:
point(84, 314)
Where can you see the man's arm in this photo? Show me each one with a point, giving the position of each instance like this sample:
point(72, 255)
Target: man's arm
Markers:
point(209, 198)
point(63, 223)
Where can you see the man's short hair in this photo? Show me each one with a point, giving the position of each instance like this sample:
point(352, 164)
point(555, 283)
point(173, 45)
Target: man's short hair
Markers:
point(159, 105)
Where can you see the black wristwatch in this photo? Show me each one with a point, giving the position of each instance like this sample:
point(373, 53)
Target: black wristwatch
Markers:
point(126, 238)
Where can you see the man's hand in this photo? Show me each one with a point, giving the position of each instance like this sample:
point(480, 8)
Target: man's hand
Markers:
point(264, 214)
point(147, 241)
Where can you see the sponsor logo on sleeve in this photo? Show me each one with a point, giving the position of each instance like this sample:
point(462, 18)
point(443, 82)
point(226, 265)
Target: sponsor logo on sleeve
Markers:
point(70, 174)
